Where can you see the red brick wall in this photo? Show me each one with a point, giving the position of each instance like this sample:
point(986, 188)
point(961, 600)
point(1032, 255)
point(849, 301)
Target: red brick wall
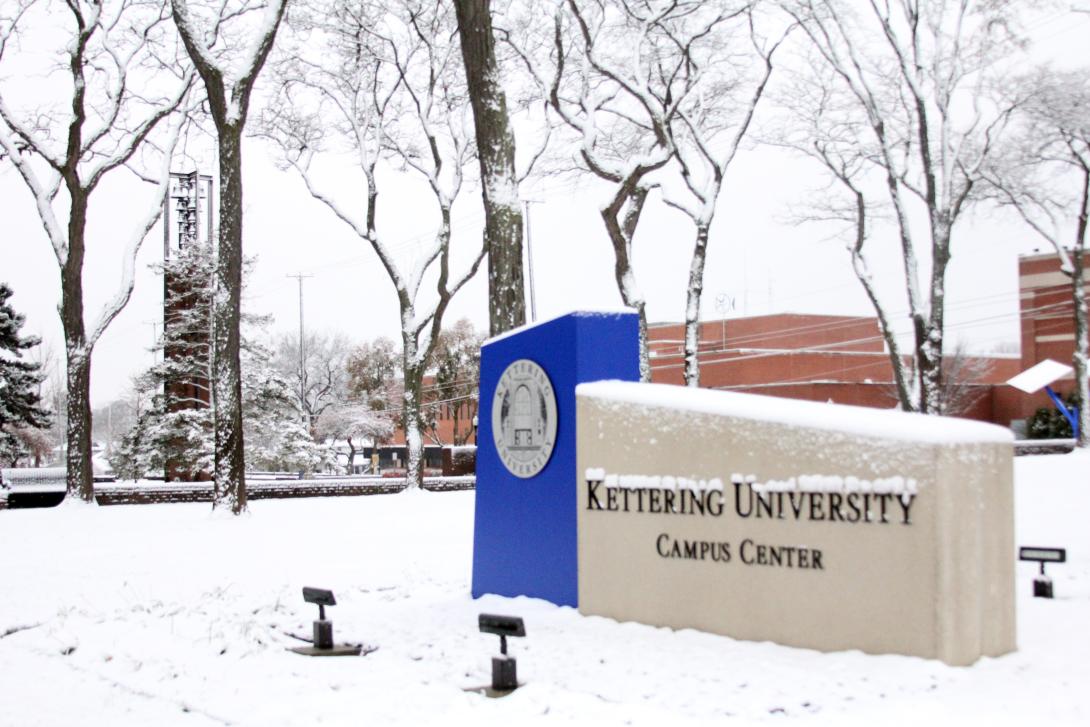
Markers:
point(817, 358)
point(1048, 328)
point(779, 331)
point(735, 368)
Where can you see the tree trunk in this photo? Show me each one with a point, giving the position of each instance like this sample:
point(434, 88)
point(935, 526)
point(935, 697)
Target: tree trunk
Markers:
point(862, 273)
point(496, 155)
point(1082, 346)
point(692, 306)
point(453, 407)
point(630, 199)
point(230, 475)
point(929, 347)
point(79, 480)
point(351, 456)
point(1082, 325)
point(412, 371)
point(897, 363)
point(414, 440)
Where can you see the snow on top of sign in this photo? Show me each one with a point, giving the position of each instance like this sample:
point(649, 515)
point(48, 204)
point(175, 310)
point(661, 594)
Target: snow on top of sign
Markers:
point(843, 484)
point(863, 421)
point(1038, 377)
point(583, 313)
point(653, 482)
point(895, 485)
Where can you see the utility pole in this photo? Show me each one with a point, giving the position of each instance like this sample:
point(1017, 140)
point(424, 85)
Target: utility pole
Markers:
point(530, 258)
point(302, 358)
point(154, 339)
point(723, 304)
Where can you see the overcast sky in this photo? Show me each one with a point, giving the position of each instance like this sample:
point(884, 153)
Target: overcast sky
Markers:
point(757, 261)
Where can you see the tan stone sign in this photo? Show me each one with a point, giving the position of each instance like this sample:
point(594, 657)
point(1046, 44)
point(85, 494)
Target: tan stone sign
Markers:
point(806, 524)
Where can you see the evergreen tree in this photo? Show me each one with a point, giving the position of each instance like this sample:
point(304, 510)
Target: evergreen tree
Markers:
point(174, 435)
point(276, 438)
point(20, 404)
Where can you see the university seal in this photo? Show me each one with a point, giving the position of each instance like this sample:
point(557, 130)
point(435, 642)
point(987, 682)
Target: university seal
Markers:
point(524, 418)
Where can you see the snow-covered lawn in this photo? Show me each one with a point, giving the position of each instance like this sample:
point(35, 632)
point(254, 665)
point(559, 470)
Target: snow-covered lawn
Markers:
point(167, 615)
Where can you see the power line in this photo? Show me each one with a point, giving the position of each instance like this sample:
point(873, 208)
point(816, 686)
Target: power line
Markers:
point(841, 322)
point(402, 244)
point(829, 347)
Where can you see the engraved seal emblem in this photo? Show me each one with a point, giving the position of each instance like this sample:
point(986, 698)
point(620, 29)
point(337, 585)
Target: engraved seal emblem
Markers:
point(524, 418)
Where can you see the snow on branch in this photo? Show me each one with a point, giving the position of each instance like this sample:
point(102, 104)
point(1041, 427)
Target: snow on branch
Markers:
point(382, 83)
point(112, 308)
point(229, 76)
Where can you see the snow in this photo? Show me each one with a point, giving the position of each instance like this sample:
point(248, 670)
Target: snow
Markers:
point(1039, 376)
point(860, 421)
point(168, 615)
point(895, 485)
point(25, 477)
point(653, 482)
point(585, 313)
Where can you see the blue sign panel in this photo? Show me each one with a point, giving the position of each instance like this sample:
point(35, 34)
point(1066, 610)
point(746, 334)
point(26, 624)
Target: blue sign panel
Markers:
point(524, 535)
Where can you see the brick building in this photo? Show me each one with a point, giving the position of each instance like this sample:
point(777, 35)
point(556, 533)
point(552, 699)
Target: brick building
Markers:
point(452, 425)
point(1047, 330)
point(841, 359)
point(187, 342)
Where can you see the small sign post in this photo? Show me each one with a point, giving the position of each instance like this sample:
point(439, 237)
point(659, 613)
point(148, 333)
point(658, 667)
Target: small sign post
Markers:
point(1042, 584)
point(322, 644)
point(504, 667)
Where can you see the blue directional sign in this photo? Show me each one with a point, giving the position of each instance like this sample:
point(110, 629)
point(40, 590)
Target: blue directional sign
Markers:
point(524, 535)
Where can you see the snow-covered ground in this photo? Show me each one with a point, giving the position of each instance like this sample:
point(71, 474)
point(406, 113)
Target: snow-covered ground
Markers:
point(169, 615)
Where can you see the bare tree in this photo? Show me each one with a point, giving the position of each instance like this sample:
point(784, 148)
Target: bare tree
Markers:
point(723, 91)
point(917, 74)
point(229, 66)
point(111, 421)
point(381, 80)
point(371, 368)
point(354, 421)
point(821, 124)
point(115, 55)
point(962, 374)
point(496, 155)
point(1044, 176)
point(618, 74)
point(324, 371)
point(457, 368)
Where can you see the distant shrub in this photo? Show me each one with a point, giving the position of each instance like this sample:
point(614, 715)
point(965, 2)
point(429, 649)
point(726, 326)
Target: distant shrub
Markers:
point(1049, 423)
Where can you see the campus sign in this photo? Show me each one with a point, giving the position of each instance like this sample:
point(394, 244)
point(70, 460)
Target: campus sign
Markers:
point(524, 531)
point(802, 523)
